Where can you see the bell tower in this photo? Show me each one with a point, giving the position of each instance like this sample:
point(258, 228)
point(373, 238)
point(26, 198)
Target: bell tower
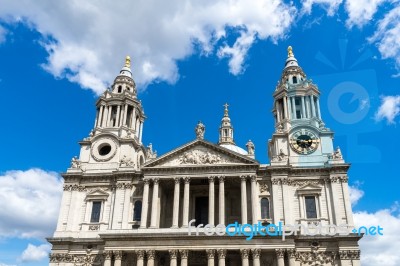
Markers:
point(300, 137)
point(226, 129)
point(115, 143)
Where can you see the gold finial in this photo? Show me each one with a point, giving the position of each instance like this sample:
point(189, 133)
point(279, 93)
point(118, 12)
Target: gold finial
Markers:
point(226, 109)
point(290, 51)
point(128, 61)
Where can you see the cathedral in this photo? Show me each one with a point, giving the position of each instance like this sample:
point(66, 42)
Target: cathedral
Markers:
point(207, 203)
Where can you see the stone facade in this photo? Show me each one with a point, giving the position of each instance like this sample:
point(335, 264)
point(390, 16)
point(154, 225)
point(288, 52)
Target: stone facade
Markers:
point(123, 205)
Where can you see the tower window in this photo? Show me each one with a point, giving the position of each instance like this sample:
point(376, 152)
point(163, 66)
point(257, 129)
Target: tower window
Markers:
point(119, 89)
point(137, 210)
point(294, 80)
point(311, 208)
point(265, 208)
point(96, 208)
point(104, 150)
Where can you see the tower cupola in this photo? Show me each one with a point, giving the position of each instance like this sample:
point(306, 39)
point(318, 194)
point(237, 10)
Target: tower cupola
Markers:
point(226, 129)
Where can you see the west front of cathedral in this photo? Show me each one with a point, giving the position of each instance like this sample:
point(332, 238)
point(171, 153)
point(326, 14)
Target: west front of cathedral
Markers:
point(198, 204)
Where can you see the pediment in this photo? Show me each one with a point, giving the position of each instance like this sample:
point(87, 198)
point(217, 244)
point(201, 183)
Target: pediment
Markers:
point(309, 189)
point(96, 194)
point(200, 153)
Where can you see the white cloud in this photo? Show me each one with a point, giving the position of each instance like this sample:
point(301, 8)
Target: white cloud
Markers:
point(3, 33)
point(361, 11)
point(88, 40)
point(237, 52)
point(380, 250)
point(389, 109)
point(35, 253)
point(29, 203)
point(355, 194)
point(331, 6)
point(387, 35)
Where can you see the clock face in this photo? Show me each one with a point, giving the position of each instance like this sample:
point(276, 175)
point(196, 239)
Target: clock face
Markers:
point(304, 141)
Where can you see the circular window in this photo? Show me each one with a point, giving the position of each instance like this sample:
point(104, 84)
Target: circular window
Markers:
point(104, 149)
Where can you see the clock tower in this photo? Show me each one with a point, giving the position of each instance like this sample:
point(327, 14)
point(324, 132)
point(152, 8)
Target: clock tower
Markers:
point(300, 138)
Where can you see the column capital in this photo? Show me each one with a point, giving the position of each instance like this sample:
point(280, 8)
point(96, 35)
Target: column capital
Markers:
point(107, 254)
point(221, 178)
point(151, 254)
point(244, 253)
point(211, 179)
point(210, 253)
point(184, 253)
point(140, 254)
point(118, 255)
point(173, 253)
point(291, 252)
point(253, 178)
point(221, 253)
point(243, 178)
point(256, 253)
point(146, 181)
point(156, 180)
point(177, 180)
point(186, 179)
point(280, 252)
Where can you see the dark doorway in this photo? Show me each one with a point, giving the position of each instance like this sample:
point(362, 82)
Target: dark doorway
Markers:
point(201, 210)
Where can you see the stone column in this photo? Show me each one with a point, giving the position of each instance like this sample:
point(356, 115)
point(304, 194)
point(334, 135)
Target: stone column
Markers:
point(244, 253)
point(221, 257)
point(318, 109)
point(303, 107)
point(175, 211)
point(141, 131)
point(290, 114)
point(145, 207)
point(254, 196)
point(243, 197)
point(118, 258)
point(256, 252)
point(292, 257)
point(173, 254)
point(107, 258)
point(280, 254)
point(184, 257)
point(151, 254)
point(109, 111)
point(99, 118)
point(211, 200)
point(308, 110)
point(139, 257)
point(294, 107)
point(221, 200)
point(154, 204)
point(285, 111)
point(105, 114)
point(346, 199)
point(210, 256)
point(118, 114)
point(185, 217)
point(125, 114)
point(312, 105)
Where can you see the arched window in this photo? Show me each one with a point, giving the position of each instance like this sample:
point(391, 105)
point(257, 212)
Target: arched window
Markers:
point(137, 210)
point(265, 208)
point(294, 80)
point(119, 89)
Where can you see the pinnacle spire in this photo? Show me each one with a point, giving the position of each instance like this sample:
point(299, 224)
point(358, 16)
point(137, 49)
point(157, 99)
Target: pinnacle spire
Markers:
point(126, 69)
point(128, 61)
point(226, 105)
point(290, 51)
point(226, 129)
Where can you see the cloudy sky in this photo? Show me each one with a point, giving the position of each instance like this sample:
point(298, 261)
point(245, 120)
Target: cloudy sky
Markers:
point(189, 58)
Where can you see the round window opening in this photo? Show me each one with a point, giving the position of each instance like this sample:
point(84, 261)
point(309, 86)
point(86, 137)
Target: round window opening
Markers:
point(104, 149)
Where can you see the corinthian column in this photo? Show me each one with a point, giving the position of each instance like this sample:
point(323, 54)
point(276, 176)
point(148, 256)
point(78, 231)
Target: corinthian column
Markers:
point(107, 258)
point(143, 222)
point(256, 256)
point(243, 197)
point(254, 196)
point(184, 257)
point(118, 258)
point(173, 253)
point(154, 204)
point(210, 256)
point(175, 211)
point(292, 257)
point(280, 253)
point(150, 257)
point(211, 202)
point(139, 257)
point(221, 257)
point(185, 218)
point(244, 253)
point(222, 200)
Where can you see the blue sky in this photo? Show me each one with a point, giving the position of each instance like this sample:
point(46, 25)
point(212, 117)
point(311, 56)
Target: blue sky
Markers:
point(188, 60)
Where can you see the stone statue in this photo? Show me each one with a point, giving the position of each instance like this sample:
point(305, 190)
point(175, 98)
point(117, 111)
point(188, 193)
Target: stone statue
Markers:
point(150, 153)
point(250, 147)
point(75, 163)
point(337, 154)
point(125, 161)
point(200, 129)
